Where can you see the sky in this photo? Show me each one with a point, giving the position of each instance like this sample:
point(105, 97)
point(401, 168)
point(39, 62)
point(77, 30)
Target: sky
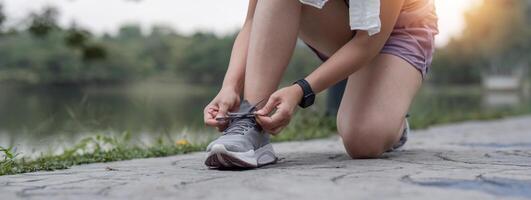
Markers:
point(221, 16)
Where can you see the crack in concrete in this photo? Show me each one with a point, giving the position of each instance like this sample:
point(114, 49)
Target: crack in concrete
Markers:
point(174, 163)
point(11, 183)
point(24, 191)
point(51, 173)
point(183, 184)
point(329, 167)
point(335, 179)
point(495, 145)
point(333, 157)
point(424, 164)
point(105, 191)
point(446, 158)
point(261, 186)
point(516, 152)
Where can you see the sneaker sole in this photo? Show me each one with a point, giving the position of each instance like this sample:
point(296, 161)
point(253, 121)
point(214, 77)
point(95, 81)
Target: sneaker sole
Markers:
point(219, 157)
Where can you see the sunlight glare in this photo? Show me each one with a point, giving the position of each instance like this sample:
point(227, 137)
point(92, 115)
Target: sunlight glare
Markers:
point(451, 18)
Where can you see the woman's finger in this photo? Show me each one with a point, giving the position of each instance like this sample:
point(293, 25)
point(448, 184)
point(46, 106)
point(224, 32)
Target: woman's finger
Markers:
point(212, 110)
point(260, 120)
point(211, 122)
point(280, 116)
point(265, 122)
point(275, 120)
point(276, 131)
point(223, 109)
point(208, 116)
point(271, 104)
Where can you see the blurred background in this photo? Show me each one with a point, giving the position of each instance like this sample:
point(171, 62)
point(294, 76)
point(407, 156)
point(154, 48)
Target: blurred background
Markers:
point(72, 68)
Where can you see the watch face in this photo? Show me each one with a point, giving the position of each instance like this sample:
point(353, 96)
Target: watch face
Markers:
point(308, 101)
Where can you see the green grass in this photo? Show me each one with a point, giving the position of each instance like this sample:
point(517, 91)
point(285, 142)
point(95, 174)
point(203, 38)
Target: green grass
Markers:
point(305, 125)
point(93, 149)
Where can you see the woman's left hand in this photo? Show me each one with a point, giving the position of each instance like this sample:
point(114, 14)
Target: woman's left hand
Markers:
point(284, 101)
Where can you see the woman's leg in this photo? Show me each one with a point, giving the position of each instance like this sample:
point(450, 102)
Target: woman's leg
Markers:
point(377, 97)
point(272, 41)
point(374, 106)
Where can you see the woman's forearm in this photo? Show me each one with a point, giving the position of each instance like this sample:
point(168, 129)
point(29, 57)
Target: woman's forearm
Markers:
point(235, 75)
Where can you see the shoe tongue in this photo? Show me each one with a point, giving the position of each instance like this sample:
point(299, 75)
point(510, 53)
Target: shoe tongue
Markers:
point(246, 107)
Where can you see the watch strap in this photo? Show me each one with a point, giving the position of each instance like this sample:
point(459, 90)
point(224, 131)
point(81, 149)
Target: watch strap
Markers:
point(306, 88)
point(307, 93)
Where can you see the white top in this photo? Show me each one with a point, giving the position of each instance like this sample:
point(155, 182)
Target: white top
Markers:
point(364, 14)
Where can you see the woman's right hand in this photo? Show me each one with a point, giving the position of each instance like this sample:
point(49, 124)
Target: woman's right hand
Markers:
point(226, 100)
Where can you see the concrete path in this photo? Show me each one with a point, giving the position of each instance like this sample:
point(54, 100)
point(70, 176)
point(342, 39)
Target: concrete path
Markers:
point(473, 160)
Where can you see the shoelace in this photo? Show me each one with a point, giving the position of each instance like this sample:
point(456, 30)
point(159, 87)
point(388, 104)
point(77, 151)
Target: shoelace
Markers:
point(240, 122)
point(239, 125)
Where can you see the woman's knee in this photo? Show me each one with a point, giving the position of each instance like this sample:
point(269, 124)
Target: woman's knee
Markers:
point(367, 138)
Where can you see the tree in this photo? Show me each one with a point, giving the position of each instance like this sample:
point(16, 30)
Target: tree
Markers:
point(43, 22)
point(130, 32)
point(497, 32)
point(77, 37)
point(206, 58)
point(496, 38)
point(2, 15)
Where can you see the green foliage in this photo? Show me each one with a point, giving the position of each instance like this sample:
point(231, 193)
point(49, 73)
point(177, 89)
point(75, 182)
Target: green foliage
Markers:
point(8, 160)
point(308, 125)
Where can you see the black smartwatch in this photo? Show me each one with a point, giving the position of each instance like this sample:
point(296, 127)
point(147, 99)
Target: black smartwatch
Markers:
point(308, 97)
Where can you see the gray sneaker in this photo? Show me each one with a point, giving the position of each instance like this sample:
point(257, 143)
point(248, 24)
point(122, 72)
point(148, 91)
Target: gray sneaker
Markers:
point(243, 144)
point(403, 137)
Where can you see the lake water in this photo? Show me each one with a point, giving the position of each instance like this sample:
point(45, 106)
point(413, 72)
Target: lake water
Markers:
point(37, 119)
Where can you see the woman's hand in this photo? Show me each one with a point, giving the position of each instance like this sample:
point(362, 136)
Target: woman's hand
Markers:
point(284, 101)
point(225, 101)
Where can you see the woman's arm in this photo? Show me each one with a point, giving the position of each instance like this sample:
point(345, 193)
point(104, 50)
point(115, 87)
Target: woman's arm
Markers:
point(236, 71)
point(358, 52)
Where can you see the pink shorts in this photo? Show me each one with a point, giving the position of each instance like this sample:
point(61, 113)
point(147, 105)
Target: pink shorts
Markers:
point(414, 44)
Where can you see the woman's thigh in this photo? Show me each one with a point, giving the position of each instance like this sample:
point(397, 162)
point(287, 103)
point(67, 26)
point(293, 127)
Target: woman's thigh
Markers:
point(375, 103)
point(326, 29)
